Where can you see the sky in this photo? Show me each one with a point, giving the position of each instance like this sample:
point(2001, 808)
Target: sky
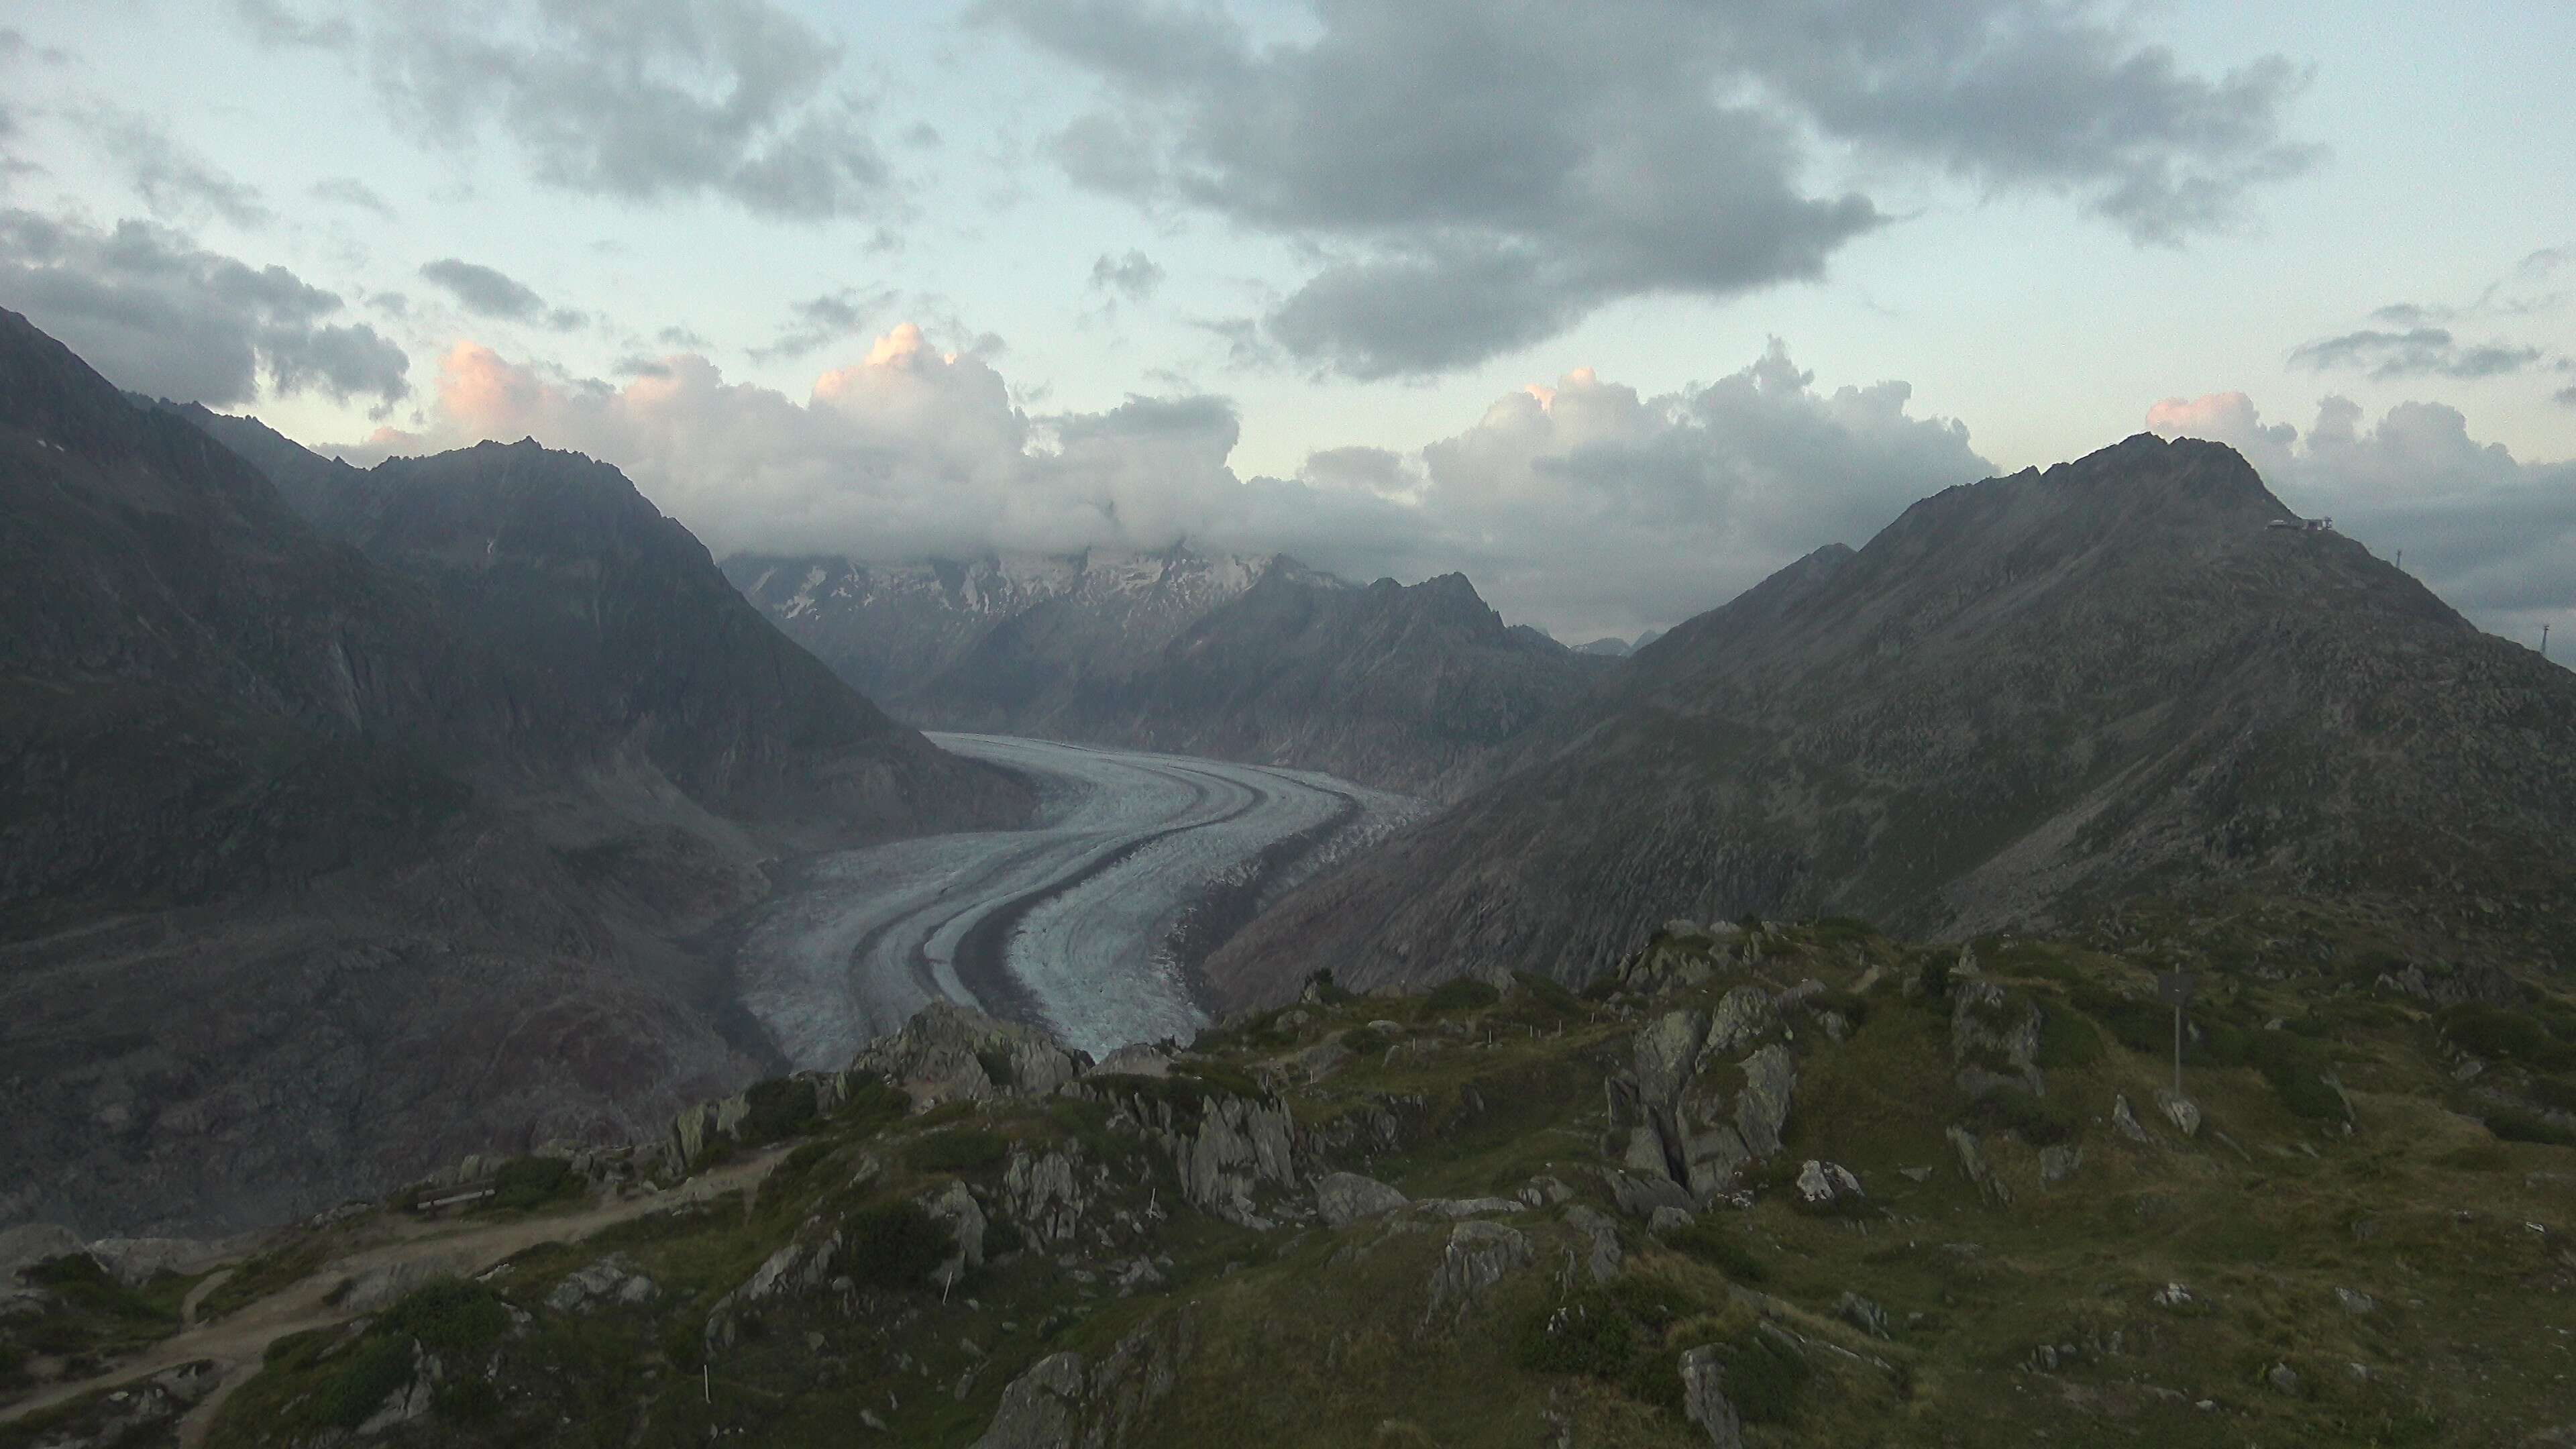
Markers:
point(1614, 307)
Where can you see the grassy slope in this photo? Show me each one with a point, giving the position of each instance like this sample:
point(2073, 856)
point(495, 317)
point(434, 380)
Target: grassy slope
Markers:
point(1305, 1335)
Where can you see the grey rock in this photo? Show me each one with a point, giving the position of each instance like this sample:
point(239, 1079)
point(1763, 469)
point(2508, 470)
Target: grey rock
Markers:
point(1770, 1078)
point(1602, 1235)
point(2182, 1112)
point(1704, 1400)
point(1743, 1014)
point(1041, 1193)
point(1344, 1198)
point(1073, 1401)
point(1973, 1163)
point(1862, 1314)
point(1470, 1207)
point(1478, 1254)
point(2125, 1120)
point(1638, 1195)
point(2283, 1378)
point(1545, 1191)
point(955, 1207)
point(940, 1056)
point(2058, 1161)
point(28, 1244)
point(1669, 1220)
point(1713, 1157)
point(1823, 1183)
point(1667, 1054)
point(611, 1279)
point(2355, 1303)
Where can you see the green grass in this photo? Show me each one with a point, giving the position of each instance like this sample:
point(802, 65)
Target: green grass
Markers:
point(958, 1149)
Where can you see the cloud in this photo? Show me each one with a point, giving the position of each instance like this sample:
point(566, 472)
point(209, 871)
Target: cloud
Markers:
point(1579, 155)
point(1582, 506)
point(273, 23)
point(2489, 533)
point(153, 312)
point(175, 182)
point(2418, 352)
point(820, 321)
point(350, 191)
point(488, 293)
point(651, 101)
point(681, 337)
point(1134, 276)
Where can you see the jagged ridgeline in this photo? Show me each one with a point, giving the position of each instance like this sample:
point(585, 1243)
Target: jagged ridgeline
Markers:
point(2027, 702)
point(1760, 1185)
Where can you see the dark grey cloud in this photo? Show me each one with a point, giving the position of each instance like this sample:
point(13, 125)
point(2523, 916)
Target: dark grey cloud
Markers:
point(152, 311)
point(1475, 177)
point(651, 100)
point(2417, 352)
point(821, 321)
point(682, 337)
point(2565, 397)
point(1134, 276)
point(174, 181)
point(488, 293)
point(350, 191)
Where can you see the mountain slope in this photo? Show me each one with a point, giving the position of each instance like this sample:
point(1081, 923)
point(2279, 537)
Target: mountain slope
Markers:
point(1260, 660)
point(625, 635)
point(1405, 687)
point(309, 877)
point(2026, 700)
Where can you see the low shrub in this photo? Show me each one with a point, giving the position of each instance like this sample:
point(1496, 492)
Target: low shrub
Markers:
point(2511, 1035)
point(2141, 1026)
point(1586, 1334)
point(532, 1182)
point(959, 1149)
point(451, 1316)
point(2067, 1040)
point(894, 1245)
point(779, 1109)
point(2295, 1067)
point(2512, 1124)
point(2557, 1093)
point(1327, 991)
point(1548, 993)
point(1461, 993)
point(371, 1373)
point(1721, 1249)
point(2034, 1119)
point(1364, 1041)
point(1763, 1376)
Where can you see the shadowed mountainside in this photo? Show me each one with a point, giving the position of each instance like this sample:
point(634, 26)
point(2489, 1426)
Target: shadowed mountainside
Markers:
point(1259, 660)
point(309, 876)
point(2026, 701)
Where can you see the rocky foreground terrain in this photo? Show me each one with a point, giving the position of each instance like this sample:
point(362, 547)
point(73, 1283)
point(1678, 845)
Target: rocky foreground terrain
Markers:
point(1761, 1185)
point(324, 859)
point(2025, 702)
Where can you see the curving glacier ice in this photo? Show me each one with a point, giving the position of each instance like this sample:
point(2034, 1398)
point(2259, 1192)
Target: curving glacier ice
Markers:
point(1088, 922)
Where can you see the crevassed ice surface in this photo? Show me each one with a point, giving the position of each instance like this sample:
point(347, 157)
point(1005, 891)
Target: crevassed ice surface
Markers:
point(1126, 843)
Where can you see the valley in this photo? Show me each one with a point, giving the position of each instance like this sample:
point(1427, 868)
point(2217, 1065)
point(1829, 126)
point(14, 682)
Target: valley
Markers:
point(1089, 922)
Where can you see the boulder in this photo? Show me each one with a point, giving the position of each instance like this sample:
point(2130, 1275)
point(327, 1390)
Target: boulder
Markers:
point(1862, 1314)
point(1986, 1024)
point(1478, 1255)
point(1638, 1195)
point(949, 1052)
point(1822, 1184)
point(1973, 1163)
point(955, 1207)
point(1667, 1055)
point(1602, 1237)
point(1743, 1014)
point(2125, 1120)
point(1770, 1077)
point(612, 1279)
point(1704, 1400)
point(2058, 1162)
point(2182, 1112)
point(1137, 1059)
point(1075, 1401)
point(1041, 1192)
point(1344, 1198)
point(1470, 1207)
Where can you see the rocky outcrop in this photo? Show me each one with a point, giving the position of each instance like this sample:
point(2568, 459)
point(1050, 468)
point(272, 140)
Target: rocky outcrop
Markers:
point(1343, 1198)
point(612, 1280)
point(1704, 1400)
point(1476, 1258)
point(948, 1052)
point(1077, 1401)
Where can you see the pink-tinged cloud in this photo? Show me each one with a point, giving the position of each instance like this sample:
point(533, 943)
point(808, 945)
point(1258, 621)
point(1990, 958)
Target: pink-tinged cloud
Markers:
point(2230, 418)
